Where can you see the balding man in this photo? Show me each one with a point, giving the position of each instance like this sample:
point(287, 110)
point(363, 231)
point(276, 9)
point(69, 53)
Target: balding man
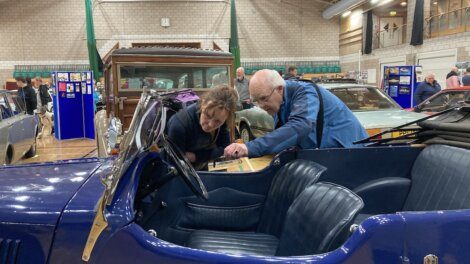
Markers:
point(241, 84)
point(426, 89)
point(295, 107)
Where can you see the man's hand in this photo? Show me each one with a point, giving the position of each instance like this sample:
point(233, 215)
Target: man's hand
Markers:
point(236, 150)
point(191, 156)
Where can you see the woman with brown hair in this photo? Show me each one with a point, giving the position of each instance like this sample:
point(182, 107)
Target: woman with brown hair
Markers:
point(200, 131)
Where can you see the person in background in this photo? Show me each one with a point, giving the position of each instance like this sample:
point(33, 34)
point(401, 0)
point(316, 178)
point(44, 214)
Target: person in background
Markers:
point(26, 94)
point(291, 74)
point(241, 84)
point(466, 77)
point(43, 93)
point(452, 78)
point(426, 89)
point(219, 79)
point(200, 130)
point(295, 107)
point(151, 83)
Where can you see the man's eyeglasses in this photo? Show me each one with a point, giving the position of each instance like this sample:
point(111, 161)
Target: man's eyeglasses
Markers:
point(264, 98)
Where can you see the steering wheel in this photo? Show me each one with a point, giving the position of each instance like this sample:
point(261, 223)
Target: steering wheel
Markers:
point(185, 169)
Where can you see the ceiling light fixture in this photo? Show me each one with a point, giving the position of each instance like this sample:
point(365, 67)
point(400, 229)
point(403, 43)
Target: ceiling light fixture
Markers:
point(384, 2)
point(374, 1)
point(347, 13)
point(403, 3)
point(434, 3)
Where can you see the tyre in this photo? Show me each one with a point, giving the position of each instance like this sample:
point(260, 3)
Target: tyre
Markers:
point(32, 151)
point(9, 155)
point(245, 133)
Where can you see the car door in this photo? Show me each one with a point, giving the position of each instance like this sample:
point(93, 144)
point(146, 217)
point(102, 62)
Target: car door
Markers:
point(3, 132)
point(22, 130)
point(11, 141)
point(443, 101)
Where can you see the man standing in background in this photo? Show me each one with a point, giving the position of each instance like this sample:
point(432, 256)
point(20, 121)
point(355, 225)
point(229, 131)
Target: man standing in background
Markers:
point(241, 84)
point(466, 77)
point(291, 74)
point(426, 89)
point(26, 94)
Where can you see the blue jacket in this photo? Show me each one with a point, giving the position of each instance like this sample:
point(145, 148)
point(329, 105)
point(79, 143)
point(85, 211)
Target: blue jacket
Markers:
point(424, 91)
point(298, 114)
point(185, 131)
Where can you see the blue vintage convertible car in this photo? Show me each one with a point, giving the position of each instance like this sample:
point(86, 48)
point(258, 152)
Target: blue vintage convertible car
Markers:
point(406, 204)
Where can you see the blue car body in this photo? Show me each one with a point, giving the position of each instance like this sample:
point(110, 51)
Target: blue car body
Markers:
point(48, 211)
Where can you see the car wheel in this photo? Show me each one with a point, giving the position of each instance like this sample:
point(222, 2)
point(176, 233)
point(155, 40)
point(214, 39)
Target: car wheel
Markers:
point(245, 133)
point(9, 155)
point(32, 151)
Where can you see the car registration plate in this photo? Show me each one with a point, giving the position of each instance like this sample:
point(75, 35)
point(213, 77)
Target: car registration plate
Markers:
point(402, 133)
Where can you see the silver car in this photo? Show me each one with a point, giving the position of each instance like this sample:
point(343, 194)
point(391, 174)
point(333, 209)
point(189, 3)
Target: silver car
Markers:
point(375, 110)
point(17, 130)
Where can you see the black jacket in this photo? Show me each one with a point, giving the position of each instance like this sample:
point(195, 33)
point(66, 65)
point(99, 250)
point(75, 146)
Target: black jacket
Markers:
point(44, 95)
point(27, 99)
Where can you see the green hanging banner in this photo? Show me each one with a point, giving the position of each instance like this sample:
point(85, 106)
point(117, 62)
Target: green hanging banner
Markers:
point(93, 55)
point(234, 48)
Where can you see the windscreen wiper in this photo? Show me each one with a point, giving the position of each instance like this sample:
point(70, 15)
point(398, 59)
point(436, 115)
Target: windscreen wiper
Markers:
point(399, 128)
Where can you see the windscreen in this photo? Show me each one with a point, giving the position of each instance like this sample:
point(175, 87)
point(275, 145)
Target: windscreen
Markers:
point(143, 130)
point(168, 77)
point(364, 98)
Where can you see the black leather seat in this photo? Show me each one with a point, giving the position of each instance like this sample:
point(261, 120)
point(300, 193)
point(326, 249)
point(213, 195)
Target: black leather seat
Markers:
point(439, 180)
point(287, 184)
point(316, 222)
point(234, 242)
point(439, 177)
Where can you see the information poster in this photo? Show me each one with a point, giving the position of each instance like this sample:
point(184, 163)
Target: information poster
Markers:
point(405, 80)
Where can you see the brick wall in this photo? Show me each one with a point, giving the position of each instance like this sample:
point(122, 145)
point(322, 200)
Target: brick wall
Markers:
point(54, 32)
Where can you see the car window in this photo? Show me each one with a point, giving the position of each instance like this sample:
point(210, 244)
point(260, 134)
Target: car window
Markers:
point(137, 77)
point(5, 109)
point(364, 98)
point(444, 101)
point(15, 106)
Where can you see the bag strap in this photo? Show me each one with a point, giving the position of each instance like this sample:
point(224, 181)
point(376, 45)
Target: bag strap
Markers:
point(320, 116)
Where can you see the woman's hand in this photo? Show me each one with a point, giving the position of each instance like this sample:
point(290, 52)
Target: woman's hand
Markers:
point(191, 156)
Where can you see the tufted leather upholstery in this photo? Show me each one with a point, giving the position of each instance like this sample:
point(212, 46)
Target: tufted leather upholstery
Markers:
point(234, 242)
point(319, 219)
point(287, 184)
point(439, 179)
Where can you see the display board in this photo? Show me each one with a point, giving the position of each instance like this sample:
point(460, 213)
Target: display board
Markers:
point(73, 105)
point(400, 83)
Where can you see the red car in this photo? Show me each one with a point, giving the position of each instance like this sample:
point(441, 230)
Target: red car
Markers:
point(443, 100)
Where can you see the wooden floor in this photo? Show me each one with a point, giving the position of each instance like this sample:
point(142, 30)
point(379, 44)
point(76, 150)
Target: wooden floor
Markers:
point(51, 149)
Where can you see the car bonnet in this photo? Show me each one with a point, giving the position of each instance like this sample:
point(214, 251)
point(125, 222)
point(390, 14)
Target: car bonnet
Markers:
point(386, 118)
point(38, 193)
